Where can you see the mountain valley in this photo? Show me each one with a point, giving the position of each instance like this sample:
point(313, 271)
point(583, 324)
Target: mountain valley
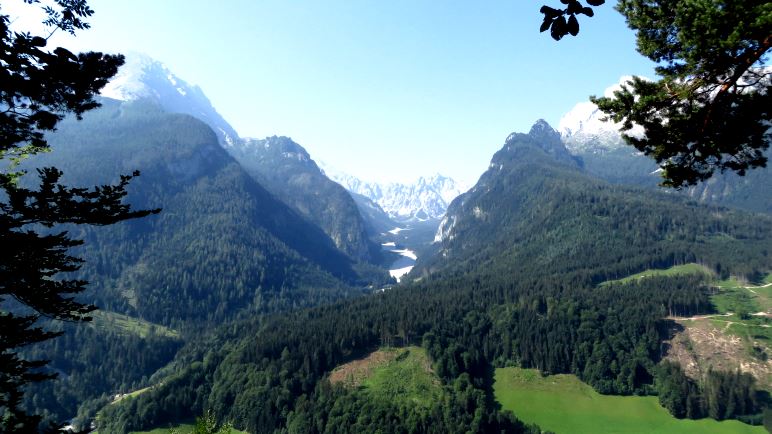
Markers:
point(483, 300)
point(267, 276)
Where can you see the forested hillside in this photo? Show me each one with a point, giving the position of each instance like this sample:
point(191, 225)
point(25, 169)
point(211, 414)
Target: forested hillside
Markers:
point(286, 169)
point(221, 244)
point(533, 210)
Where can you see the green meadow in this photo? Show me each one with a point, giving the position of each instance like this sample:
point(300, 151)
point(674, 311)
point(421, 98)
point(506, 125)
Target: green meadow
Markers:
point(564, 405)
point(125, 324)
point(672, 271)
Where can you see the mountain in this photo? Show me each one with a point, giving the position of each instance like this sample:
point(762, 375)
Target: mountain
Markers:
point(222, 244)
point(585, 131)
point(426, 198)
point(599, 144)
point(286, 169)
point(536, 205)
point(605, 154)
point(297, 182)
point(142, 77)
point(750, 192)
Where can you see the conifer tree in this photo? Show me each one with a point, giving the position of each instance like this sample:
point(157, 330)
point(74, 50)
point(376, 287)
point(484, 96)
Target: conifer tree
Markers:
point(709, 109)
point(38, 88)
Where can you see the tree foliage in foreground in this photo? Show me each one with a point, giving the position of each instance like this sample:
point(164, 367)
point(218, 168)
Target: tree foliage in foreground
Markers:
point(710, 109)
point(562, 22)
point(38, 88)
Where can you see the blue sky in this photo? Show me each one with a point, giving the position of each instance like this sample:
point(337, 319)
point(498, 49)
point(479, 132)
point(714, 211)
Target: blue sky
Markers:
point(385, 90)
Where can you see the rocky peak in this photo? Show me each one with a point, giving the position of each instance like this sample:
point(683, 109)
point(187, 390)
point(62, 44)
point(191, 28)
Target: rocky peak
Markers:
point(541, 135)
point(143, 77)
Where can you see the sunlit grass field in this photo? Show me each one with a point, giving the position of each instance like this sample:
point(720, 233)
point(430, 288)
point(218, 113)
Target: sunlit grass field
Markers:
point(672, 271)
point(565, 405)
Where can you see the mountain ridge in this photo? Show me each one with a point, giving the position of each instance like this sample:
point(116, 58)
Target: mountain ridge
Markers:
point(286, 168)
point(534, 193)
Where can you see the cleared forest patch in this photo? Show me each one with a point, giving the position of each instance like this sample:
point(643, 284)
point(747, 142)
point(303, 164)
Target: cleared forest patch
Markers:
point(739, 336)
point(394, 374)
point(353, 373)
point(125, 324)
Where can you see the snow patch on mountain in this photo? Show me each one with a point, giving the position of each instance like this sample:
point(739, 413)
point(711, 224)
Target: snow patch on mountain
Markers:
point(142, 77)
point(584, 129)
point(444, 231)
point(426, 198)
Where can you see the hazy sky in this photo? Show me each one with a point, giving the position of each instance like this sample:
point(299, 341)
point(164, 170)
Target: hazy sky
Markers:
point(385, 90)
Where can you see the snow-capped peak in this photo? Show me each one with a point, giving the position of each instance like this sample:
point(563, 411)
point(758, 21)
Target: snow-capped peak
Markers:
point(138, 77)
point(425, 198)
point(583, 128)
point(143, 77)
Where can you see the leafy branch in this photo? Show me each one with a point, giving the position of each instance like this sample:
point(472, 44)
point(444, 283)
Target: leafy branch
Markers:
point(562, 22)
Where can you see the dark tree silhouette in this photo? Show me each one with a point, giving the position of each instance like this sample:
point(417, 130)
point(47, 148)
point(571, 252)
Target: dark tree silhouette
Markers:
point(562, 22)
point(38, 88)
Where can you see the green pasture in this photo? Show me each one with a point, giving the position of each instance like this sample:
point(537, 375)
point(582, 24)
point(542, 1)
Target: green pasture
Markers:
point(672, 271)
point(565, 405)
point(127, 325)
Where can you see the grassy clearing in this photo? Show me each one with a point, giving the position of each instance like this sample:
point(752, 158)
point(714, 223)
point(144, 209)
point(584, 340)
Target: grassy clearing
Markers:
point(184, 428)
point(125, 324)
point(394, 374)
point(131, 394)
point(563, 404)
point(672, 271)
point(736, 300)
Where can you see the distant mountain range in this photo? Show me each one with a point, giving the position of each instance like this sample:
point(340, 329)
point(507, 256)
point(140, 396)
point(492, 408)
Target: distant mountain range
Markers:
point(143, 78)
point(426, 198)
